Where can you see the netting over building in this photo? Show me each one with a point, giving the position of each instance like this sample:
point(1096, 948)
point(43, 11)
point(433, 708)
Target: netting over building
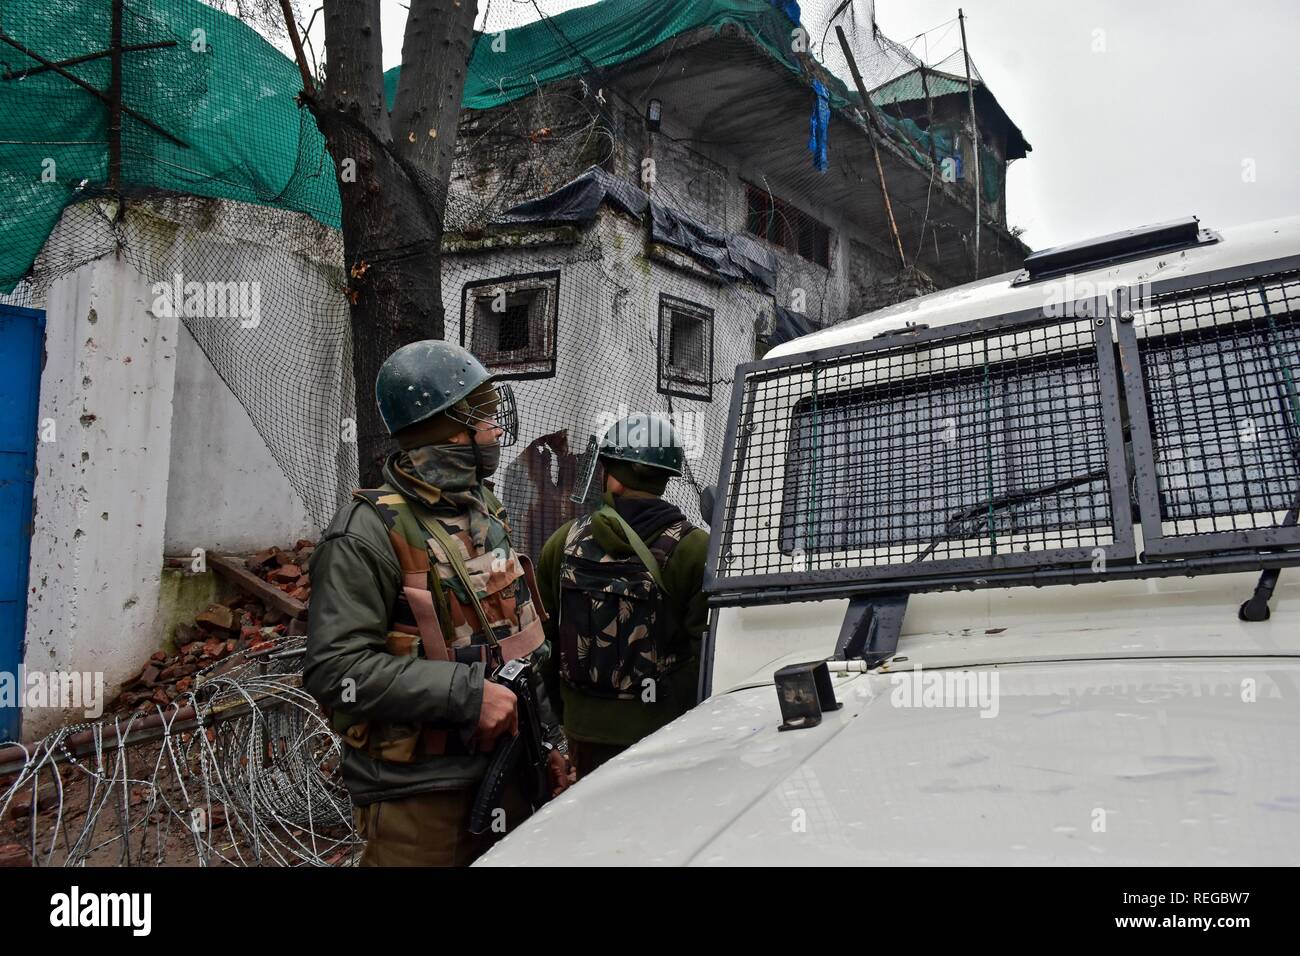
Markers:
point(748, 206)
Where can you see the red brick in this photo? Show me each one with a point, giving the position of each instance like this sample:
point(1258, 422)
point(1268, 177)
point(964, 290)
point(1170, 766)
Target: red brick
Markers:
point(21, 805)
point(177, 671)
point(218, 617)
point(262, 559)
point(14, 854)
point(285, 574)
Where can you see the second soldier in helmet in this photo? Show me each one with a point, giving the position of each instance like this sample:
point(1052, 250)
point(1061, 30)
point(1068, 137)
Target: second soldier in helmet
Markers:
point(624, 590)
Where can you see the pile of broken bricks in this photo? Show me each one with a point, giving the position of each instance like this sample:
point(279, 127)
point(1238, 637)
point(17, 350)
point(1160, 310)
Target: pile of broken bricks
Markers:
point(250, 621)
point(286, 570)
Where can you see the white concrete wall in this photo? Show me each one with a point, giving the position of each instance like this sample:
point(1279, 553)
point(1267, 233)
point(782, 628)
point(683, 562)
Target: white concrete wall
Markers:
point(632, 291)
point(149, 451)
point(226, 492)
point(101, 482)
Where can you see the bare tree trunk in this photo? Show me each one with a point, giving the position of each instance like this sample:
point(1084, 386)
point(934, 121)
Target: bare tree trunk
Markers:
point(393, 189)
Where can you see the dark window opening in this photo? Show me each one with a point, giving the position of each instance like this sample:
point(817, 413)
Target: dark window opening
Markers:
point(509, 323)
point(506, 331)
point(685, 348)
point(781, 224)
point(686, 344)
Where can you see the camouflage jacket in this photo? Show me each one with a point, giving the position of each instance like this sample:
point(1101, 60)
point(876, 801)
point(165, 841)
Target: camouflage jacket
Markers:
point(384, 694)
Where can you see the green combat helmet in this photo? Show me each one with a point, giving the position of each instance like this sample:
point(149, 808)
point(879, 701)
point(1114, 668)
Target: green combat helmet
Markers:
point(640, 440)
point(427, 378)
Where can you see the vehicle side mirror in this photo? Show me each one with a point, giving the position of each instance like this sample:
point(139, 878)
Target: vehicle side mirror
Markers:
point(708, 499)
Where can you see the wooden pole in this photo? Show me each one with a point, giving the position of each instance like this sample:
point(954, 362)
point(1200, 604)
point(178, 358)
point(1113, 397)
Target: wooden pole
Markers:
point(975, 136)
point(871, 135)
point(115, 100)
point(86, 58)
point(929, 117)
point(308, 84)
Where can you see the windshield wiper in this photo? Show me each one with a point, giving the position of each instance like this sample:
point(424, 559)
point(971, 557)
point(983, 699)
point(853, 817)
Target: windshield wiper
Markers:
point(1005, 501)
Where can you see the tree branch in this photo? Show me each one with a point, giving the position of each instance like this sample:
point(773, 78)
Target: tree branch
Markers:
point(436, 49)
point(291, 27)
point(354, 64)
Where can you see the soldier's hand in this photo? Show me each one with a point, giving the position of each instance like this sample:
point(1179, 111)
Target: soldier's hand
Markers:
point(563, 775)
point(499, 714)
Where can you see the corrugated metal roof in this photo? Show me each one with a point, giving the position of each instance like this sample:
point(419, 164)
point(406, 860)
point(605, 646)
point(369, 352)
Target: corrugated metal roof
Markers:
point(908, 86)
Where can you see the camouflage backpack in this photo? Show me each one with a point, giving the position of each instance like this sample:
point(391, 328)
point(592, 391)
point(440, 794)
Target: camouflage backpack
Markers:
point(616, 623)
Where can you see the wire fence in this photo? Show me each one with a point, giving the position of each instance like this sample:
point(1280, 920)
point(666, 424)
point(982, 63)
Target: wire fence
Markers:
point(241, 771)
point(1220, 365)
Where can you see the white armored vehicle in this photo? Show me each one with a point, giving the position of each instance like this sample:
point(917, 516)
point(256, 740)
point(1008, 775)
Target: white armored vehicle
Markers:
point(1002, 575)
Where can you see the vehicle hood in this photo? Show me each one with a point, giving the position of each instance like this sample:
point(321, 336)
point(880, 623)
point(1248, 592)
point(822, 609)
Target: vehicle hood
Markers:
point(1165, 761)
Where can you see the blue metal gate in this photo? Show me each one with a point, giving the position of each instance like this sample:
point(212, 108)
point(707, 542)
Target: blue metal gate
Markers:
point(22, 334)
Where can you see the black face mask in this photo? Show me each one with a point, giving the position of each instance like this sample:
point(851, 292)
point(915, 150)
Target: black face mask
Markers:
point(488, 457)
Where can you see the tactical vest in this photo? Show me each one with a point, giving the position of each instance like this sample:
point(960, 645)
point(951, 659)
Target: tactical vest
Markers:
point(616, 625)
point(454, 605)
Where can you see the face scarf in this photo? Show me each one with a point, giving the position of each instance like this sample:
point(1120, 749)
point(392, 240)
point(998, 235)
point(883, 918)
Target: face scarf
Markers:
point(455, 470)
point(450, 467)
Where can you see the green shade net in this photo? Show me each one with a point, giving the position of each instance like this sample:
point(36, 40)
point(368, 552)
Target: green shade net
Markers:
point(229, 96)
point(222, 90)
point(917, 142)
point(513, 63)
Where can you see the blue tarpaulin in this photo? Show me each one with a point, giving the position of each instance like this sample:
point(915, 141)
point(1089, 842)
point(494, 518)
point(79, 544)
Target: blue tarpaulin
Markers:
point(790, 8)
point(819, 124)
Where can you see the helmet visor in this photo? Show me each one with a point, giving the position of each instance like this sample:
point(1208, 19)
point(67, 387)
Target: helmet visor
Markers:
point(493, 406)
point(586, 473)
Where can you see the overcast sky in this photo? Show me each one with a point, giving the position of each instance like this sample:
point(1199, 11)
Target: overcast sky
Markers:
point(1138, 111)
point(1155, 127)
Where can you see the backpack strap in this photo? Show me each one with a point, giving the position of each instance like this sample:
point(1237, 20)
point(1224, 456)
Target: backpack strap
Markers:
point(530, 578)
point(495, 506)
point(498, 510)
point(667, 542)
point(637, 544)
point(490, 499)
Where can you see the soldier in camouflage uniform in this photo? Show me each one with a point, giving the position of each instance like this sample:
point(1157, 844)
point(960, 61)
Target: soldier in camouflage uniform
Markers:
point(623, 588)
point(417, 594)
